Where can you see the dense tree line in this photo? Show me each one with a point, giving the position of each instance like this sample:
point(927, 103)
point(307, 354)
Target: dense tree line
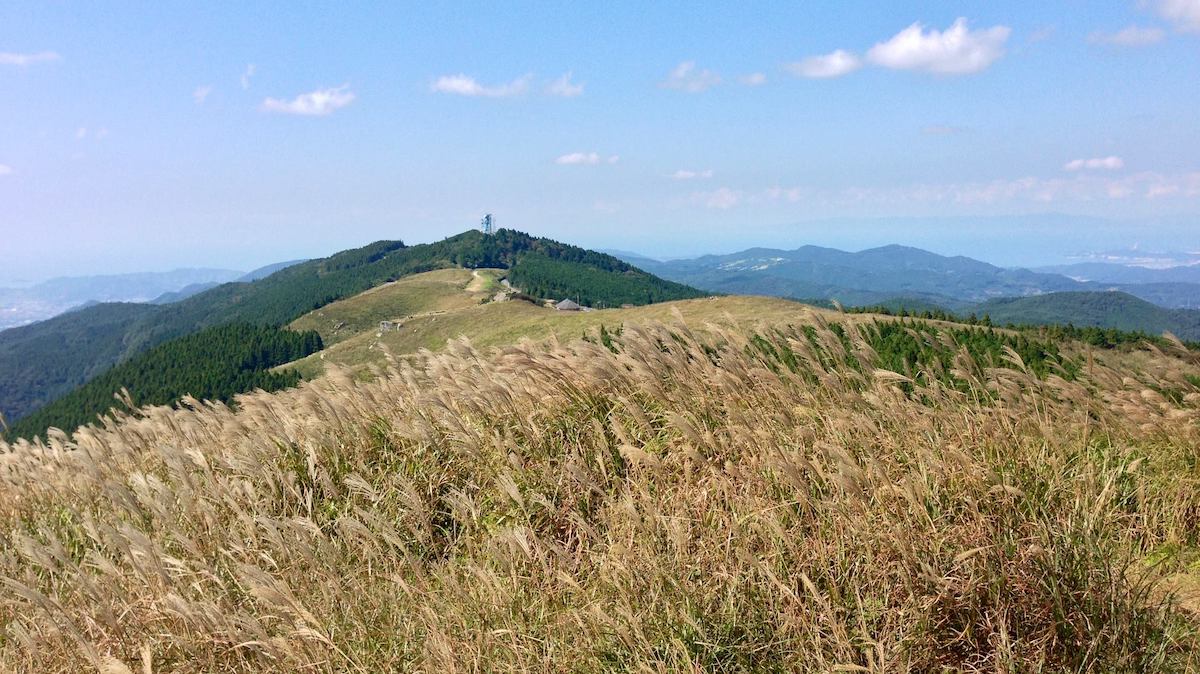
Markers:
point(1101, 337)
point(562, 278)
point(214, 364)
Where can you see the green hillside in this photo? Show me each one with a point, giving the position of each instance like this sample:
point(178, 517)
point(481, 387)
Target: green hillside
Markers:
point(35, 370)
point(1098, 309)
point(213, 364)
point(42, 361)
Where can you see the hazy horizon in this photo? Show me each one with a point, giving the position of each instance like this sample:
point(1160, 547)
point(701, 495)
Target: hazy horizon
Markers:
point(149, 138)
point(1108, 246)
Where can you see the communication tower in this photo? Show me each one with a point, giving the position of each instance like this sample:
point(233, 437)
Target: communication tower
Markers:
point(488, 224)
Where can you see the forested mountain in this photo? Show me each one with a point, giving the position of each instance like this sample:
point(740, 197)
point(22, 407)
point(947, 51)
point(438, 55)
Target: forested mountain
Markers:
point(267, 270)
point(1101, 309)
point(35, 369)
point(183, 293)
point(42, 361)
point(878, 275)
point(213, 364)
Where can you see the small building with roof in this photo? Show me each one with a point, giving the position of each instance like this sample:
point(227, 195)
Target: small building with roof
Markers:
point(567, 305)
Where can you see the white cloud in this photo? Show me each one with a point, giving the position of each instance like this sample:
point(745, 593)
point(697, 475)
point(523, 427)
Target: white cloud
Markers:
point(201, 94)
point(463, 85)
point(1130, 36)
point(685, 174)
point(81, 133)
point(564, 87)
point(685, 77)
point(956, 51)
point(247, 74)
point(579, 158)
point(5, 170)
point(753, 79)
point(317, 103)
point(721, 199)
point(833, 64)
point(1107, 163)
point(12, 59)
point(585, 158)
point(1184, 15)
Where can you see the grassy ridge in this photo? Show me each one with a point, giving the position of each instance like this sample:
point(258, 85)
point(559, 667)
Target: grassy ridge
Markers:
point(37, 371)
point(442, 290)
point(680, 501)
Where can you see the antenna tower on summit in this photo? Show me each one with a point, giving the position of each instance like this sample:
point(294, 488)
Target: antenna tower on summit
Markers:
point(488, 224)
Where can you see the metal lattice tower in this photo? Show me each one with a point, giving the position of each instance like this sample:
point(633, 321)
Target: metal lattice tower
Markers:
point(488, 225)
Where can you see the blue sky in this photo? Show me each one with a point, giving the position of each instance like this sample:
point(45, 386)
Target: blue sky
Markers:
point(136, 137)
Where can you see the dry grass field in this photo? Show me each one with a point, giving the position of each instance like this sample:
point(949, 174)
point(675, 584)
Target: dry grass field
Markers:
point(686, 500)
point(447, 304)
point(419, 294)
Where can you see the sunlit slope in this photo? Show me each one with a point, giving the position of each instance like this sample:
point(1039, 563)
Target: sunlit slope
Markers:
point(503, 323)
point(441, 290)
point(689, 498)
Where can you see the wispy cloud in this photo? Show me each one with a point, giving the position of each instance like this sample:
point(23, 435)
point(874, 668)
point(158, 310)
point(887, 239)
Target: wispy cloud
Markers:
point(200, 94)
point(685, 174)
point(943, 130)
point(958, 50)
point(1130, 36)
point(1184, 15)
point(585, 158)
point(1041, 34)
point(1111, 163)
point(721, 199)
point(464, 85)
point(1079, 189)
point(753, 79)
point(685, 77)
point(317, 103)
point(247, 74)
point(15, 59)
point(833, 64)
point(564, 87)
point(5, 170)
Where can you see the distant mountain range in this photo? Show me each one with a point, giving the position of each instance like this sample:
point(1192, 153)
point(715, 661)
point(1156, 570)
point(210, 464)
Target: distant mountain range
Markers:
point(881, 275)
point(20, 306)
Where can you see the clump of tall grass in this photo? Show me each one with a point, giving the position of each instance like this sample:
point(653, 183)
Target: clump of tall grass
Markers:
point(668, 499)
